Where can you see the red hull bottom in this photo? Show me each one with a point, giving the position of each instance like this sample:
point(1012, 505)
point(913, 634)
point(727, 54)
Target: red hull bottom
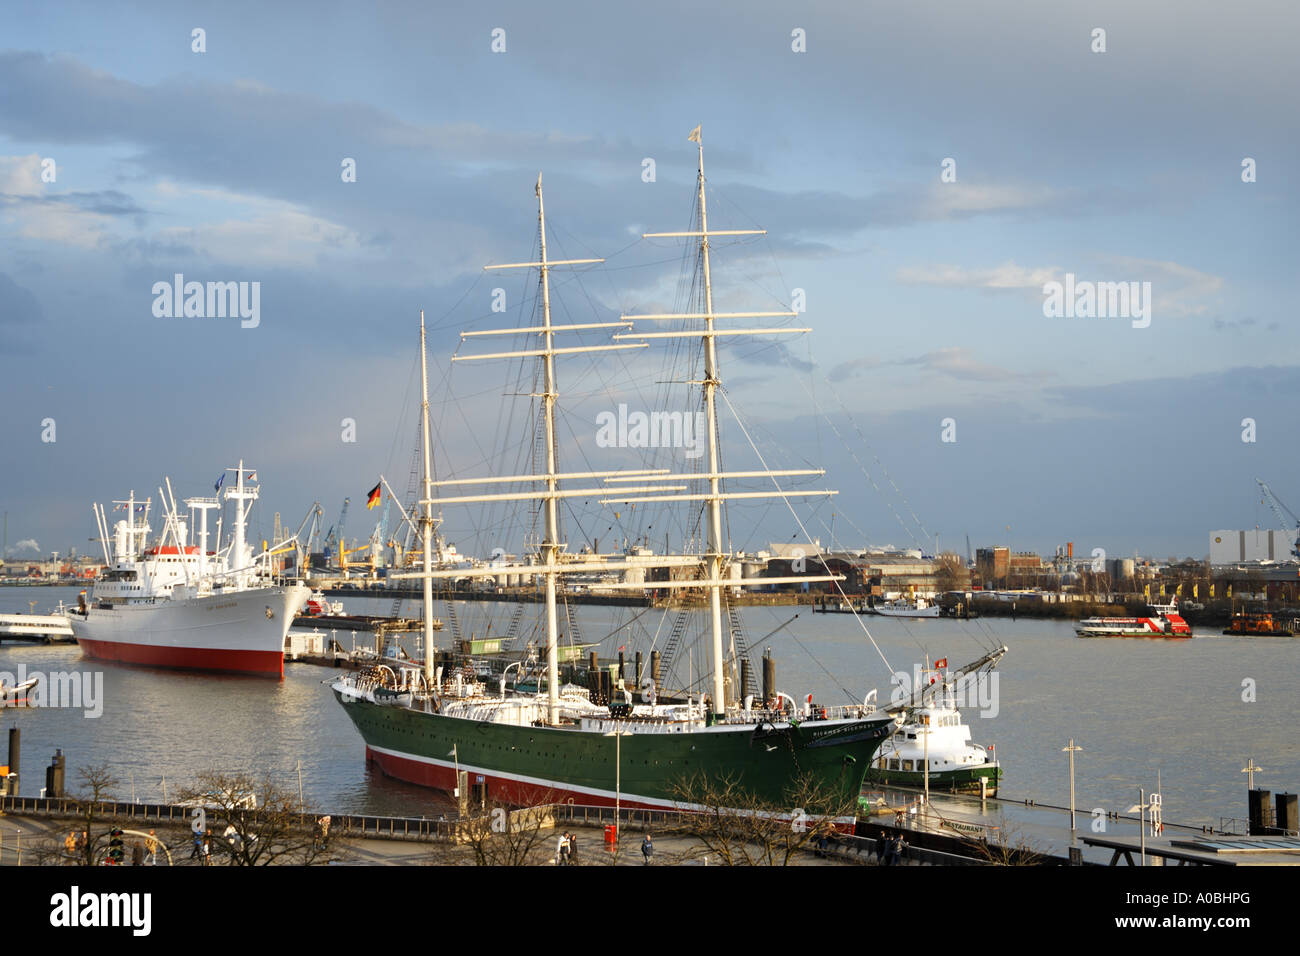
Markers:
point(515, 793)
point(262, 663)
point(502, 790)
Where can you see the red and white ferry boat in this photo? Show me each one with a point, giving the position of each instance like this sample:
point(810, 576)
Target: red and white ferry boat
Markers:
point(177, 604)
point(1165, 623)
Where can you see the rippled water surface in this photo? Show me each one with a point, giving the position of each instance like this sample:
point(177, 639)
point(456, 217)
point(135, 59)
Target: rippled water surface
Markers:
point(1136, 706)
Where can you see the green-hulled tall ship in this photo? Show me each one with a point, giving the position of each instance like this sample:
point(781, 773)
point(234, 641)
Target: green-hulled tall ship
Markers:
point(436, 729)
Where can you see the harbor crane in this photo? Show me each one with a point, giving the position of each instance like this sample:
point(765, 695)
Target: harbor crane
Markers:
point(303, 549)
point(1274, 502)
point(334, 540)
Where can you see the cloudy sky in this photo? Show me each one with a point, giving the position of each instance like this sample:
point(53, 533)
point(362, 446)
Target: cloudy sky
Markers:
point(126, 157)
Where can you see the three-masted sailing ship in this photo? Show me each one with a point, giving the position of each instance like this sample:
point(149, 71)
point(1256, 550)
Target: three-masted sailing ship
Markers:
point(554, 744)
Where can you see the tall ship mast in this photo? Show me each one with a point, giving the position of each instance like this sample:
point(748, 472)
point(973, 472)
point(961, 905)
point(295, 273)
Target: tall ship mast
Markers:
point(428, 727)
point(176, 604)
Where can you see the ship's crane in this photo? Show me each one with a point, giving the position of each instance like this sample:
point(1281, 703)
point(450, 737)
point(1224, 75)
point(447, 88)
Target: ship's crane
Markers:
point(1274, 502)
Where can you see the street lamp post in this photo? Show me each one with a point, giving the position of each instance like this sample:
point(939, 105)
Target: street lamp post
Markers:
point(1141, 809)
point(618, 736)
point(1071, 750)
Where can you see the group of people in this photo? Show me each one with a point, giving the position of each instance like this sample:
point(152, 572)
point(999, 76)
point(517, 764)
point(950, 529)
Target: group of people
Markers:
point(889, 850)
point(202, 847)
point(142, 854)
point(566, 850)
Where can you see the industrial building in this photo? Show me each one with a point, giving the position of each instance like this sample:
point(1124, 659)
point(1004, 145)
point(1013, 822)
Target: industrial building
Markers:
point(1251, 547)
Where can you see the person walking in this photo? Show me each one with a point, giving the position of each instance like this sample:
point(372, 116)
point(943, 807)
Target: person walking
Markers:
point(151, 849)
point(573, 848)
point(207, 848)
point(197, 852)
point(70, 847)
point(647, 849)
point(562, 850)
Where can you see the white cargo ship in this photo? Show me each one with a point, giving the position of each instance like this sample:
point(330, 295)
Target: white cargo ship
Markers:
point(175, 603)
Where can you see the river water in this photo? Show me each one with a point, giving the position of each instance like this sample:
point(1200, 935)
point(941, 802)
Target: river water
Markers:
point(1192, 711)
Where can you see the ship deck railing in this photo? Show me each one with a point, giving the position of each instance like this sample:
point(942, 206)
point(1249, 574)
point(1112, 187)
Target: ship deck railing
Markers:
point(818, 713)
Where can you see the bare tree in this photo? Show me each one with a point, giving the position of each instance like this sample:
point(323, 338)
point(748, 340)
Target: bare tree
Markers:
point(950, 572)
point(740, 829)
point(500, 836)
point(97, 787)
point(257, 822)
point(1008, 847)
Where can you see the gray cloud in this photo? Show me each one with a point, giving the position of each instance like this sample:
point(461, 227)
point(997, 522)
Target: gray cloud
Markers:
point(17, 305)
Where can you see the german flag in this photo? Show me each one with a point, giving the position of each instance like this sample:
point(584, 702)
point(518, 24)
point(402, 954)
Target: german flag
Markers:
point(372, 497)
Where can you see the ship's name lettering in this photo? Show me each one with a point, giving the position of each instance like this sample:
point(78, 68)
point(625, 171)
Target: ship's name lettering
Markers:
point(218, 607)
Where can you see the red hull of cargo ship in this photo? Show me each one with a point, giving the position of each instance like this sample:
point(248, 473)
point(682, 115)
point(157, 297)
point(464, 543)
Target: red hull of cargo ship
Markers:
point(261, 663)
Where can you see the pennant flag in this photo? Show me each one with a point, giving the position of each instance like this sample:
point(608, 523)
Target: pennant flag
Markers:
point(252, 476)
point(220, 481)
point(372, 497)
point(695, 135)
point(941, 662)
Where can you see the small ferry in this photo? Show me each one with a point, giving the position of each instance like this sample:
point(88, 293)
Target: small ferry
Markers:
point(1164, 623)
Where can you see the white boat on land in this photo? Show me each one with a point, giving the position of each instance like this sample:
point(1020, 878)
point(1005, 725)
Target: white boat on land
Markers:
point(901, 608)
point(177, 604)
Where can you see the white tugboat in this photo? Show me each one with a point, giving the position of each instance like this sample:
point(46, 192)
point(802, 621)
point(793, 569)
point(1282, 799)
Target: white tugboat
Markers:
point(932, 733)
point(177, 604)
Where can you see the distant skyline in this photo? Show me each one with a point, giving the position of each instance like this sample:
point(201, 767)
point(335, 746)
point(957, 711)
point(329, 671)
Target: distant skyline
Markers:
point(127, 157)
